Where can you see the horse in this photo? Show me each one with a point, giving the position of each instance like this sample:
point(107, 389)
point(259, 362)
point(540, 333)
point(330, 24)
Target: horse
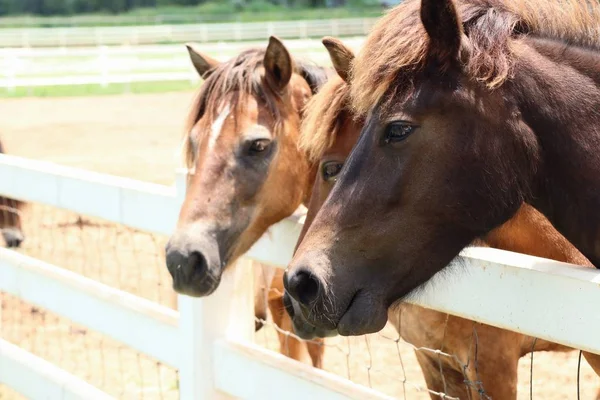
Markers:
point(10, 218)
point(330, 129)
point(248, 171)
point(472, 108)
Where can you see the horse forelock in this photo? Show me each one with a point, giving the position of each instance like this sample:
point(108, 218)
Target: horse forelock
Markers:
point(321, 122)
point(242, 77)
point(396, 48)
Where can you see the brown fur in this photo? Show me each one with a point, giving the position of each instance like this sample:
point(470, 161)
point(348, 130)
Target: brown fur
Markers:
point(398, 44)
point(491, 353)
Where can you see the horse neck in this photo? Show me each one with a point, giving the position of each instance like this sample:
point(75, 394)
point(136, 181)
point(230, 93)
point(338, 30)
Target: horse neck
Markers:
point(529, 232)
point(558, 93)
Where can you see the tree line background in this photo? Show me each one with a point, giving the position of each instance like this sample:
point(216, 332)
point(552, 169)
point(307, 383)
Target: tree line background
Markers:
point(73, 7)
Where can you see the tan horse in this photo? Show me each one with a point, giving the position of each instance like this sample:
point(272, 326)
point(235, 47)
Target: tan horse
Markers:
point(249, 173)
point(329, 132)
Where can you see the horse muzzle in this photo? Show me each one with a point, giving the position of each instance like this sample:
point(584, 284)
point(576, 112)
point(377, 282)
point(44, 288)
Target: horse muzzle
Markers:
point(194, 265)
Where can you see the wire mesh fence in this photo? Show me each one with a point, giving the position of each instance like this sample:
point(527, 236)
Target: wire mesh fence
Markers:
point(389, 363)
point(114, 255)
point(134, 261)
point(7, 393)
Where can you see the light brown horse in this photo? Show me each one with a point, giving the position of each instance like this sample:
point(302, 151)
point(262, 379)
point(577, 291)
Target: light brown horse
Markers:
point(10, 218)
point(472, 107)
point(330, 130)
point(248, 171)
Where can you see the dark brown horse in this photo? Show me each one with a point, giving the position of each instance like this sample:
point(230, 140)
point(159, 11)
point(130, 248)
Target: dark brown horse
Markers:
point(329, 132)
point(10, 218)
point(248, 171)
point(472, 107)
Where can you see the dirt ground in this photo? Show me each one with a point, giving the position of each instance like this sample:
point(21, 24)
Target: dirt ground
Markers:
point(138, 136)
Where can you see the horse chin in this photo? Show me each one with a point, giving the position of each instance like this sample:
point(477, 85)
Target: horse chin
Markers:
point(13, 237)
point(306, 331)
point(201, 287)
point(365, 314)
point(302, 328)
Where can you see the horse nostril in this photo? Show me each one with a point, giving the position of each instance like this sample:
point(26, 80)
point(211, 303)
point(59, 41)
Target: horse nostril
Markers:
point(186, 267)
point(196, 265)
point(14, 242)
point(304, 287)
point(13, 237)
point(175, 259)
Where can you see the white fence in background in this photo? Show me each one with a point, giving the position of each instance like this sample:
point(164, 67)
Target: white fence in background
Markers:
point(104, 65)
point(154, 34)
point(209, 340)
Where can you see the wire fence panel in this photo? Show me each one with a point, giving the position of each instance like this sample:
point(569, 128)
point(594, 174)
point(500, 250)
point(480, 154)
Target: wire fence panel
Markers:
point(109, 253)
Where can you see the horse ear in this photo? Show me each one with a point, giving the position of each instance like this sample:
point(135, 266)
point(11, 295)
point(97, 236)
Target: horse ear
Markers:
point(442, 24)
point(278, 64)
point(204, 64)
point(341, 56)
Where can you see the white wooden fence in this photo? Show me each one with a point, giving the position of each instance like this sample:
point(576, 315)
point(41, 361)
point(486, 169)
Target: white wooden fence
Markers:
point(153, 34)
point(209, 340)
point(104, 65)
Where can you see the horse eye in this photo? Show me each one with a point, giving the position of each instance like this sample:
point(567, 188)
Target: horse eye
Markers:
point(330, 170)
point(398, 131)
point(258, 146)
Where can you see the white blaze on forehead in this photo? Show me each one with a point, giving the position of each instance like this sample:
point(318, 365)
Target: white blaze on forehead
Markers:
point(217, 126)
point(259, 131)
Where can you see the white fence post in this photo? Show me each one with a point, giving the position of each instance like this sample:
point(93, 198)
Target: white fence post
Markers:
point(103, 62)
point(334, 27)
point(25, 38)
point(98, 36)
point(228, 313)
point(135, 36)
point(303, 30)
point(237, 32)
point(63, 38)
point(11, 62)
point(366, 26)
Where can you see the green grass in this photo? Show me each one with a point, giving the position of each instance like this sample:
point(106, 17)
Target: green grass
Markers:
point(209, 12)
point(98, 90)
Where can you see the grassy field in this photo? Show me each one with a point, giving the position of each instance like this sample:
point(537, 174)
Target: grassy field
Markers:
point(209, 12)
point(98, 90)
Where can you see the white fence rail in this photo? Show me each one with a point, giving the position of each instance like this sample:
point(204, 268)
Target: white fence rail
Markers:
point(104, 65)
point(153, 34)
point(209, 340)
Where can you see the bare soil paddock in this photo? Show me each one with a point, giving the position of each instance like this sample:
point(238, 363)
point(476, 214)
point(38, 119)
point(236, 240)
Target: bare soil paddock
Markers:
point(138, 136)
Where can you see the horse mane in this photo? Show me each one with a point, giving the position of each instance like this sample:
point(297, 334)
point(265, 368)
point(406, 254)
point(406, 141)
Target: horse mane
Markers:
point(323, 117)
point(397, 45)
point(242, 76)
